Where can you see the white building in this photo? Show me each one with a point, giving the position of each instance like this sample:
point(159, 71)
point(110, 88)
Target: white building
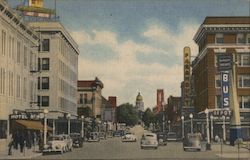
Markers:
point(58, 64)
point(18, 54)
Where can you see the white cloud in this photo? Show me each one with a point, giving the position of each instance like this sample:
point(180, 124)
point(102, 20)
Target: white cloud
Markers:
point(125, 76)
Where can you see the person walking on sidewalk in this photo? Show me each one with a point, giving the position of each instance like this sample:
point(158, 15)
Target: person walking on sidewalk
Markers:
point(10, 145)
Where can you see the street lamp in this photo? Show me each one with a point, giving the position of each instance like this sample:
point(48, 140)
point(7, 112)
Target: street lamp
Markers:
point(224, 128)
point(68, 117)
point(45, 111)
point(82, 132)
point(169, 125)
point(182, 120)
point(208, 135)
point(191, 117)
point(212, 127)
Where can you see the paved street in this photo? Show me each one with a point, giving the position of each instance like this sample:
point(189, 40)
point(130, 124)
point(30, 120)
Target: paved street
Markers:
point(113, 148)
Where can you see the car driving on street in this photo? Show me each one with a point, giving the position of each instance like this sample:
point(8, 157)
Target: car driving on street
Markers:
point(149, 140)
point(162, 138)
point(129, 137)
point(56, 144)
point(192, 142)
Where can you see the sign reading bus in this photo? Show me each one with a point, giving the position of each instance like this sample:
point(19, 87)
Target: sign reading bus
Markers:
point(225, 89)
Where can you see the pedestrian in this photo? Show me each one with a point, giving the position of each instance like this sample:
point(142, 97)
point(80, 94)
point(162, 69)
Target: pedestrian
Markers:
point(22, 141)
point(10, 145)
point(15, 139)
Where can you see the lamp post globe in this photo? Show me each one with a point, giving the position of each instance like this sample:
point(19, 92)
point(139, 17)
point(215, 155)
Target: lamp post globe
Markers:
point(191, 117)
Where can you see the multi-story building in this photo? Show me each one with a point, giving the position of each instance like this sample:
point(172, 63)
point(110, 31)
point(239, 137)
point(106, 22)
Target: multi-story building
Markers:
point(159, 100)
point(218, 36)
point(18, 54)
point(58, 66)
point(90, 95)
point(109, 109)
point(173, 109)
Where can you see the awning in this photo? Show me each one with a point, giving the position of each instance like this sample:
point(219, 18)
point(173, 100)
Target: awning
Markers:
point(35, 125)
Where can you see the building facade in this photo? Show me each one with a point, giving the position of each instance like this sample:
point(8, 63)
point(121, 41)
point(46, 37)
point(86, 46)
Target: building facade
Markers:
point(139, 104)
point(18, 55)
point(58, 68)
point(222, 36)
point(159, 99)
point(90, 95)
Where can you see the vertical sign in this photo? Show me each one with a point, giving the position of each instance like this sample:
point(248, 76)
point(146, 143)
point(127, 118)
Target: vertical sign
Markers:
point(187, 75)
point(225, 89)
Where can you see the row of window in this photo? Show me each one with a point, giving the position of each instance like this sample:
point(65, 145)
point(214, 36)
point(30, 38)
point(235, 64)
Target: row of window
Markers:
point(240, 38)
point(67, 72)
point(16, 51)
point(243, 81)
point(43, 64)
point(66, 88)
point(85, 99)
point(15, 85)
point(243, 59)
point(244, 102)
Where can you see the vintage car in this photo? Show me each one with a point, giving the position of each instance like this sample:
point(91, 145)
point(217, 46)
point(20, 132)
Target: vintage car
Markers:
point(192, 142)
point(102, 135)
point(77, 139)
point(93, 137)
point(129, 137)
point(149, 140)
point(68, 141)
point(162, 138)
point(56, 144)
point(172, 136)
point(118, 133)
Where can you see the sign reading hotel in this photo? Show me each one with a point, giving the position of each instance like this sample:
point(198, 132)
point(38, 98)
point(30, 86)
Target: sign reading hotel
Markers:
point(187, 75)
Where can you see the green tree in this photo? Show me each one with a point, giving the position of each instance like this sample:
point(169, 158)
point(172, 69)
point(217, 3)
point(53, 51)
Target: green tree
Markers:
point(148, 117)
point(126, 113)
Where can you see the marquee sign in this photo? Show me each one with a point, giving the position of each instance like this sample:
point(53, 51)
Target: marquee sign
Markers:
point(222, 112)
point(26, 116)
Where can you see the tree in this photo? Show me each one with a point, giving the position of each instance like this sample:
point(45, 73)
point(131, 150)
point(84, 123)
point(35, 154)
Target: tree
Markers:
point(126, 113)
point(148, 117)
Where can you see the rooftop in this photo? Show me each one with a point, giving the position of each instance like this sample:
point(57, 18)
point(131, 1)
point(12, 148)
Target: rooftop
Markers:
point(227, 20)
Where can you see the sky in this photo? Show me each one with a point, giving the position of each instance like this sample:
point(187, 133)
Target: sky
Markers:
point(137, 45)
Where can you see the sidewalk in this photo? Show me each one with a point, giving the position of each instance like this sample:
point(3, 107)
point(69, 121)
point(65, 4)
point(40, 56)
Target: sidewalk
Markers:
point(229, 151)
point(16, 154)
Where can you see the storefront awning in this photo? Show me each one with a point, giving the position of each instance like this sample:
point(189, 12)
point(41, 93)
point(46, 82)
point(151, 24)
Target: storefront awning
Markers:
point(34, 125)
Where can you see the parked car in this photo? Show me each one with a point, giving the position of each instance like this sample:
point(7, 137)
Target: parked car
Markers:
point(149, 140)
point(192, 141)
point(94, 137)
point(118, 133)
point(56, 144)
point(110, 134)
point(102, 135)
point(162, 138)
point(68, 141)
point(77, 139)
point(172, 136)
point(129, 137)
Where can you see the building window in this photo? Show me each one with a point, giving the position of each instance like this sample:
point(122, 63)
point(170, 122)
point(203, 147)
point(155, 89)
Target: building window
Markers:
point(240, 38)
point(85, 98)
point(218, 101)
point(18, 57)
point(81, 99)
point(3, 129)
point(3, 42)
point(45, 64)
point(219, 38)
point(45, 82)
point(43, 101)
point(25, 57)
point(244, 80)
point(45, 45)
point(248, 38)
point(18, 86)
point(217, 81)
point(244, 59)
point(244, 102)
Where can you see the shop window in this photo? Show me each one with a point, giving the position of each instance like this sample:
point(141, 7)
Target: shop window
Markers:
point(244, 80)
point(3, 129)
point(85, 98)
point(81, 99)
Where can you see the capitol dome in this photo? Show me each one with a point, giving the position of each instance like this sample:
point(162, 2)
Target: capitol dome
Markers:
point(139, 97)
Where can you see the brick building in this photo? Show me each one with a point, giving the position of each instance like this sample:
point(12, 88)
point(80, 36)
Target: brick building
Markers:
point(222, 35)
